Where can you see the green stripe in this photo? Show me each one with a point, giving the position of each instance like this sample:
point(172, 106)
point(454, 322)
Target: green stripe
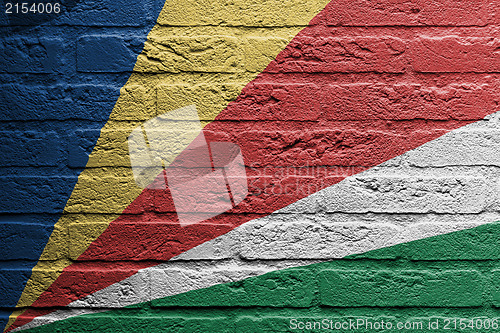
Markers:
point(451, 275)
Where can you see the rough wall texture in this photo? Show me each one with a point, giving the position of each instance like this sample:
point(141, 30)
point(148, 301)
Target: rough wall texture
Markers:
point(383, 111)
point(53, 106)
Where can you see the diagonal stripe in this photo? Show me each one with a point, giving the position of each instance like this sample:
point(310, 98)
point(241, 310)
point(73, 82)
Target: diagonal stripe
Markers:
point(297, 240)
point(134, 238)
point(114, 185)
point(485, 238)
point(65, 121)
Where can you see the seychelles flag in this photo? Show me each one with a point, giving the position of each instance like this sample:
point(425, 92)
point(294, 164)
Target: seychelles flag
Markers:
point(275, 166)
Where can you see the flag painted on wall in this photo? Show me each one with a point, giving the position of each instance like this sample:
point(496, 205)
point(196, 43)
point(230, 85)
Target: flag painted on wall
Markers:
point(356, 144)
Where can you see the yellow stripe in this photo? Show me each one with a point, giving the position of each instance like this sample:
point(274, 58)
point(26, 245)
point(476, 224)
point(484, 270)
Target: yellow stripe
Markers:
point(200, 52)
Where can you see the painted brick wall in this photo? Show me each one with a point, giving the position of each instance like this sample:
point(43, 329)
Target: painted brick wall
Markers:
point(363, 68)
point(58, 85)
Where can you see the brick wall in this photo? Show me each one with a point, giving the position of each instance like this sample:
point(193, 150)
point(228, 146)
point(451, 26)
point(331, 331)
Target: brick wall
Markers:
point(360, 69)
point(60, 78)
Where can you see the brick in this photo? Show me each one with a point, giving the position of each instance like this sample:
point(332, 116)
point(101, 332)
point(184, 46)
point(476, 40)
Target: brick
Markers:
point(405, 13)
point(210, 99)
point(454, 195)
point(41, 318)
point(222, 247)
point(275, 101)
point(11, 280)
point(107, 54)
point(25, 102)
point(80, 148)
point(458, 240)
point(92, 101)
point(332, 236)
point(291, 288)
point(495, 278)
point(399, 201)
point(112, 151)
point(83, 233)
point(307, 54)
point(85, 200)
point(105, 13)
point(406, 101)
point(88, 93)
point(172, 281)
point(293, 236)
point(74, 284)
point(128, 322)
point(270, 240)
point(175, 54)
point(57, 102)
point(32, 55)
point(136, 102)
point(23, 240)
point(268, 324)
point(132, 290)
point(322, 147)
point(58, 249)
point(465, 147)
point(458, 288)
point(260, 51)
point(30, 194)
point(4, 314)
point(495, 8)
point(30, 148)
point(267, 193)
point(252, 13)
point(163, 240)
point(453, 54)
